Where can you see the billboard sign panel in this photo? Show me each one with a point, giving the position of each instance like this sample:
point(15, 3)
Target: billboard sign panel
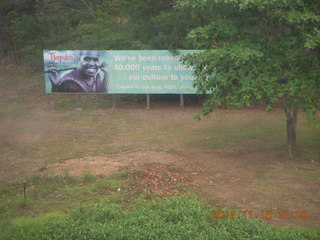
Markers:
point(116, 72)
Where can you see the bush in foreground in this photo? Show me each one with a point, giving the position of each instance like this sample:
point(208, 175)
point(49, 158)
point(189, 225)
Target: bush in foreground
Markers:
point(179, 218)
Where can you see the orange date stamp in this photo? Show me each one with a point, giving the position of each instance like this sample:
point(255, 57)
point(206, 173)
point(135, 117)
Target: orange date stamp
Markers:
point(263, 214)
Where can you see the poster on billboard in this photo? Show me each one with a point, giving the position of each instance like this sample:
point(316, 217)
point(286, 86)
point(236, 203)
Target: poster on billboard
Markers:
point(117, 72)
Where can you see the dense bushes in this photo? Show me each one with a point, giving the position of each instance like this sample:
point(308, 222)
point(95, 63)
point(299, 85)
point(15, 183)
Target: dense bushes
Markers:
point(178, 218)
point(27, 27)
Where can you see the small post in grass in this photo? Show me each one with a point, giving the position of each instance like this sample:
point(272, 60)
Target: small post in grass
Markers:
point(24, 191)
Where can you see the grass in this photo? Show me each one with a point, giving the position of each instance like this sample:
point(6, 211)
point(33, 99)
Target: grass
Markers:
point(264, 182)
point(183, 217)
point(228, 132)
point(92, 132)
point(302, 173)
point(45, 194)
point(15, 109)
point(85, 102)
point(76, 134)
point(95, 207)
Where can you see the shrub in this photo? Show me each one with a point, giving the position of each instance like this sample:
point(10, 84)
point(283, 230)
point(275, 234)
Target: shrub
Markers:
point(179, 218)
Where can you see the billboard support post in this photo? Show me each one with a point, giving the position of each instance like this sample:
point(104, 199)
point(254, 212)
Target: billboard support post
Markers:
point(79, 101)
point(148, 101)
point(49, 103)
point(113, 101)
point(181, 100)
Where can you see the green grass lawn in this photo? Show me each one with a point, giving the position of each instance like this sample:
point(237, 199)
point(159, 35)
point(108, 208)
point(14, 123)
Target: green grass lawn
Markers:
point(94, 207)
point(182, 217)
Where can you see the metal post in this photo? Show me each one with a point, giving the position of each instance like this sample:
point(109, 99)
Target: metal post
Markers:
point(113, 101)
point(49, 103)
point(148, 101)
point(181, 100)
point(79, 100)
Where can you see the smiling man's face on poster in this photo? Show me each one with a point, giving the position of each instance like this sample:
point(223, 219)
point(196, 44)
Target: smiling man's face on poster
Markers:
point(89, 63)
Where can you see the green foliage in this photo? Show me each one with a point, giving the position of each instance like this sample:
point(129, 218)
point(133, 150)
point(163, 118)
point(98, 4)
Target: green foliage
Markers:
point(91, 24)
point(256, 50)
point(88, 177)
point(179, 218)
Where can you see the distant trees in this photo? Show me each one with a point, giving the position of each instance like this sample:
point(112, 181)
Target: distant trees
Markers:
point(32, 25)
point(28, 26)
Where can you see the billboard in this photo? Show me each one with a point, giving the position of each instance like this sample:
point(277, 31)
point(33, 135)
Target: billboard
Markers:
point(117, 72)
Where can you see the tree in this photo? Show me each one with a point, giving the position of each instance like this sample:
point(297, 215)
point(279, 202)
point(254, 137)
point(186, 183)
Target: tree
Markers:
point(29, 26)
point(258, 50)
point(156, 24)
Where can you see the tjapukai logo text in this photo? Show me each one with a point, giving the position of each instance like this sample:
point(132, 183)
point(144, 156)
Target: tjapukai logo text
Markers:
point(55, 57)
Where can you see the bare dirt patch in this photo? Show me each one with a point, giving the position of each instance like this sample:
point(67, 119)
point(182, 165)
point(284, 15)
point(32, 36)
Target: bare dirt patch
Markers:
point(259, 181)
point(107, 164)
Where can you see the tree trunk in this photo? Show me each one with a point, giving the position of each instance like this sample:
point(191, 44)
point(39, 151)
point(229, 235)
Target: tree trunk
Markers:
point(291, 115)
